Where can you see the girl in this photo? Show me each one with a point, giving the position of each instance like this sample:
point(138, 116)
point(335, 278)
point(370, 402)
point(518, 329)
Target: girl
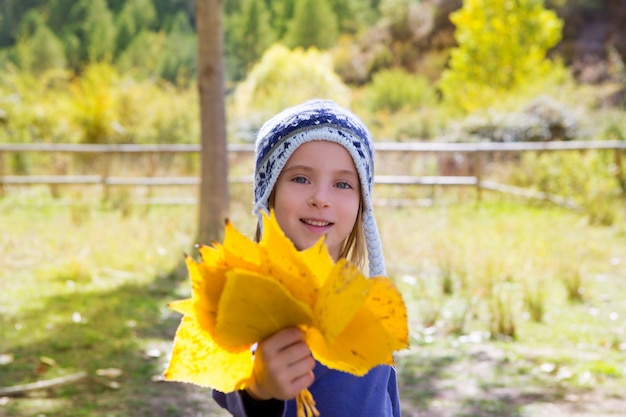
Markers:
point(315, 168)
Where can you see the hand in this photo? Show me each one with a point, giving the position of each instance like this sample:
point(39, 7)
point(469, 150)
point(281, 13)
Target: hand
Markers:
point(283, 366)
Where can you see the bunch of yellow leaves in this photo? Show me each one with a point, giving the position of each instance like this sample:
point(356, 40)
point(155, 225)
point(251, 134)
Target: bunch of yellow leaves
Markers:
point(245, 291)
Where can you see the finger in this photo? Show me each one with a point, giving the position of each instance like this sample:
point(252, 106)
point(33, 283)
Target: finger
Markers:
point(289, 364)
point(282, 340)
point(288, 390)
point(297, 353)
point(302, 382)
point(301, 367)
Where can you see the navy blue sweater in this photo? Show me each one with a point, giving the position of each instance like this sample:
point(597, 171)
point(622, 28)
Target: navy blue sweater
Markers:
point(336, 394)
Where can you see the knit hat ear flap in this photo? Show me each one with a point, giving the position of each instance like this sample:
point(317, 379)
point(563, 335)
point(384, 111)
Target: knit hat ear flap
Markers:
point(375, 258)
point(313, 120)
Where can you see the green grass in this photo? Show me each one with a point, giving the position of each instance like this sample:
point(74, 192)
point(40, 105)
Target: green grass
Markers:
point(92, 296)
point(87, 287)
point(497, 249)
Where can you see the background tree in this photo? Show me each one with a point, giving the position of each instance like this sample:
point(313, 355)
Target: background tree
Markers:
point(501, 46)
point(167, 9)
point(395, 14)
point(47, 51)
point(169, 54)
point(11, 14)
point(144, 55)
point(282, 11)
point(314, 24)
point(90, 35)
point(37, 48)
point(58, 15)
point(178, 60)
point(214, 198)
point(248, 35)
point(134, 17)
point(353, 15)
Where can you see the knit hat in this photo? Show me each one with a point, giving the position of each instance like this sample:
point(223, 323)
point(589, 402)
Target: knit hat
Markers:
point(313, 120)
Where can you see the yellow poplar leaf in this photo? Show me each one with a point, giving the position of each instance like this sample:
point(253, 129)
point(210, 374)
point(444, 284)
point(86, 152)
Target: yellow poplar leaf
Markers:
point(207, 282)
point(253, 307)
point(363, 344)
point(184, 307)
point(340, 298)
point(207, 276)
point(285, 263)
point(386, 303)
point(379, 328)
point(239, 251)
point(211, 255)
point(319, 259)
point(197, 359)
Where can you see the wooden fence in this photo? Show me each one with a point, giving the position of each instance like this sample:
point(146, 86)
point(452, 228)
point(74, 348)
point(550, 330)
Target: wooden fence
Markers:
point(475, 155)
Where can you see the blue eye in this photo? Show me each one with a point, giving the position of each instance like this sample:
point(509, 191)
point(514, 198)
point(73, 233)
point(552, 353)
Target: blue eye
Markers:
point(299, 180)
point(343, 185)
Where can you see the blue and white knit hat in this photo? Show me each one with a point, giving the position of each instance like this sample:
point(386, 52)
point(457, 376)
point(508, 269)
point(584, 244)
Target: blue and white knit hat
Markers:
point(312, 120)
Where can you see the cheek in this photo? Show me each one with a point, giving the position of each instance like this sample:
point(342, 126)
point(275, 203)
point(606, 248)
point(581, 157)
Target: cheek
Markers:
point(284, 203)
point(281, 197)
point(355, 216)
point(352, 204)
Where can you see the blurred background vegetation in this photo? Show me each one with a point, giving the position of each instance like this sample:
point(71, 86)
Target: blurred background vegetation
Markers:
point(86, 287)
point(123, 71)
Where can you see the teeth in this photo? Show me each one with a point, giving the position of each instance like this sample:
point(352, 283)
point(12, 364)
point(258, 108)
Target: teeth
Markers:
point(316, 223)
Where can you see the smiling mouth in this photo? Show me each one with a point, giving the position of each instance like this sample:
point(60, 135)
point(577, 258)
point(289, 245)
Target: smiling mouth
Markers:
point(316, 223)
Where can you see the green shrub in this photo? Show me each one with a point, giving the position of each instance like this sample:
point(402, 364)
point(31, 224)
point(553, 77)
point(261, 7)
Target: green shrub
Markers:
point(535, 299)
point(92, 97)
point(99, 106)
point(396, 89)
point(572, 280)
point(584, 178)
point(35, 107)
point(381, 58)
point(543, 119)
point(283, 78)
point(502, 321)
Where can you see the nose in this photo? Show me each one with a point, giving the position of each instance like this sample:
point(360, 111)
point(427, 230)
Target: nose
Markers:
point(319, 198)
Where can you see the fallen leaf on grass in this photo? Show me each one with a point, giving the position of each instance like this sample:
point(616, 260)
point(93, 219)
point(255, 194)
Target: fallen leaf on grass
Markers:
point(6, 358)
point(109, 372)
point(47, 361)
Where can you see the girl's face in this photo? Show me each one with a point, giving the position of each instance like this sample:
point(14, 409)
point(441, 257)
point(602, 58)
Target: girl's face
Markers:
point(316, 194)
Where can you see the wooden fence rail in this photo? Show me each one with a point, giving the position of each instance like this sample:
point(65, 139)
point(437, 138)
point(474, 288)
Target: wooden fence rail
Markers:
point(421, 147)
point(475, 151)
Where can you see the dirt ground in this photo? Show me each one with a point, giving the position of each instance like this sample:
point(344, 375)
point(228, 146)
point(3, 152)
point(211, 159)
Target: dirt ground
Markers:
point(478, 382)
point(485, 383)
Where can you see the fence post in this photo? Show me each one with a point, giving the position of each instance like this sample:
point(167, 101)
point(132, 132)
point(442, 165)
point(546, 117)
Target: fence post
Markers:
point(1, 174)
point(477, 168)
point(106, 171)
point(619, 170)
point(153, 164)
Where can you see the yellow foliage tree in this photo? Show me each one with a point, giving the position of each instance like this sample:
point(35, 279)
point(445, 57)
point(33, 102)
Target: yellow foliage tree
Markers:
point(502, 46)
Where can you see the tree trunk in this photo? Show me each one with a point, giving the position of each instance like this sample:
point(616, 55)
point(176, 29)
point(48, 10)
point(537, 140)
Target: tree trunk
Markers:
point(214, 198)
